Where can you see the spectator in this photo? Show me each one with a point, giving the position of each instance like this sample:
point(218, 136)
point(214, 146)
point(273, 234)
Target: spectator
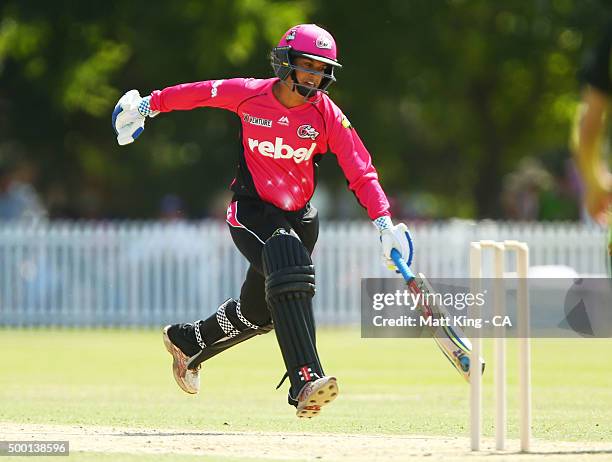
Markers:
point(522, 190)
point(18, 198)
point(171, 208)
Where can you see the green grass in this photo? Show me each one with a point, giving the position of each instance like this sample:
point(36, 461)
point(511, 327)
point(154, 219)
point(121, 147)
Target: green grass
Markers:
point(388, 386)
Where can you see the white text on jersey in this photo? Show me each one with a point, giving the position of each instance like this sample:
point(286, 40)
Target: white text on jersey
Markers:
point(278, 150)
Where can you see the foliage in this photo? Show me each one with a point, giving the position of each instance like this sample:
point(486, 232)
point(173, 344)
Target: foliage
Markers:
point(472, 86)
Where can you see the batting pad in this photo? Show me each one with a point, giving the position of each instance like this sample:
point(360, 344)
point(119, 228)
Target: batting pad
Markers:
point(290, 286)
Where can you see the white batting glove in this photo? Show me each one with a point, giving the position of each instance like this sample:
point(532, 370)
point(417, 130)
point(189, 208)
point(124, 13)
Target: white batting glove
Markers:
point(394, 237)
point(129, 116)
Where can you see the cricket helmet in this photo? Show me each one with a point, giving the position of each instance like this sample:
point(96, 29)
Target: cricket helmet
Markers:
point(307, 41)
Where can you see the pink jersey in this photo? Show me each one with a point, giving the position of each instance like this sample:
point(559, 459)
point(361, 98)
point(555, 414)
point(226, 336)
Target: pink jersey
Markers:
point(281, 145)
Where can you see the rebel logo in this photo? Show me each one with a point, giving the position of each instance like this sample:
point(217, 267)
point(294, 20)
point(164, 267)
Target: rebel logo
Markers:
point(257, 120)
point(306, 131)
point(279, 150)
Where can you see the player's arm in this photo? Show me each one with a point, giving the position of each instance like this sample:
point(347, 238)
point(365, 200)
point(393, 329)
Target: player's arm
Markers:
point(131, 111)
point(356, 163)
point(588, 134)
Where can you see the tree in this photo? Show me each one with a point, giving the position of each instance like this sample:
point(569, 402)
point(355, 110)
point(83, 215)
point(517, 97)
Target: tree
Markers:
point(447, 95)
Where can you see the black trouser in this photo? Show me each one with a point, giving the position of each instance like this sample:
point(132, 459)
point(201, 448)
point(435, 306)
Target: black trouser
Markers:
point(253, 226)
point(251, 223)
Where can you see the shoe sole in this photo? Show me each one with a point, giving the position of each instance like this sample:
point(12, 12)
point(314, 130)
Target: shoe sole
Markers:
point(319, 397)
point(175, 353)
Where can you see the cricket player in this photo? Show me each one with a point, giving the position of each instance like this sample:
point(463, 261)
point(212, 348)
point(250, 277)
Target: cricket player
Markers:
point(590, 144)
point(288, 124)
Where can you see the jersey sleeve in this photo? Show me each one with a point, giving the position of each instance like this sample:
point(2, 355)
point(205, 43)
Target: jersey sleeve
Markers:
point(224, 94)
point(596, 68)
point(356, 163)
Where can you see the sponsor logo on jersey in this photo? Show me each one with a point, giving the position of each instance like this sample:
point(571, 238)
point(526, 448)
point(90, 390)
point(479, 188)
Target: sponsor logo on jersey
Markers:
point(213, 90)
point(345, 122)
point(279, 150)
point(257, 120)
point(306, 131)
point(284, 120)
point(324, 42)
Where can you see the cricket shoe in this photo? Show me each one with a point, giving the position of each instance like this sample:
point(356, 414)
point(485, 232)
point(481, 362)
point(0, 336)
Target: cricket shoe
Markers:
point(314, 395)
point(187, 379)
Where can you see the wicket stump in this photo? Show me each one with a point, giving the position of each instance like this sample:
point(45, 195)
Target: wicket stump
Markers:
point(524, 363)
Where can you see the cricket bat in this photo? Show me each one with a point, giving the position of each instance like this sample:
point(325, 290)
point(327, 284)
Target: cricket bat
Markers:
point(452, 341)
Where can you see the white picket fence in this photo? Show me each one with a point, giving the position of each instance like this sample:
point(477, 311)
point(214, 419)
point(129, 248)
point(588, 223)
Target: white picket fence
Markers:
point(149, 273)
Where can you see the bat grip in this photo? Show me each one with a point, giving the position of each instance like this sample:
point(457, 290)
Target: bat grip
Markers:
point(401, 265)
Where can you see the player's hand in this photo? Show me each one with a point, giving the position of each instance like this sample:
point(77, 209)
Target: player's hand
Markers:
point(129, 116)
point(395, 237)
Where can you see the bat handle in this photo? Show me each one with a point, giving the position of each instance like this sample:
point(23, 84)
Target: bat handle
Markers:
point(401, 265)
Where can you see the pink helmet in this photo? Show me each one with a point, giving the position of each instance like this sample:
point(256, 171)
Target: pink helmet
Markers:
point(308, 41)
